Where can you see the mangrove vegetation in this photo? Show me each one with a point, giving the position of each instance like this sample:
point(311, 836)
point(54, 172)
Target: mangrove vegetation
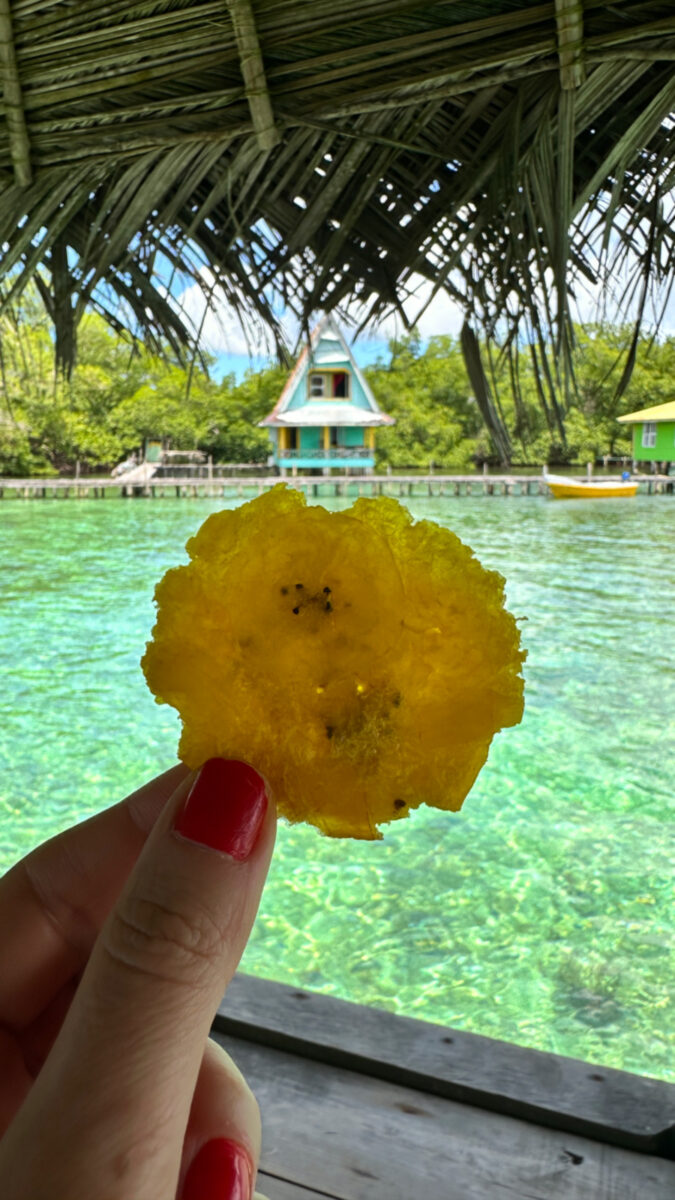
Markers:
point(120, 394)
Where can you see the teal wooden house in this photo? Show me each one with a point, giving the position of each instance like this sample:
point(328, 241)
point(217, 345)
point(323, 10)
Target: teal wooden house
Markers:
point(326, 416)
point(653, 433)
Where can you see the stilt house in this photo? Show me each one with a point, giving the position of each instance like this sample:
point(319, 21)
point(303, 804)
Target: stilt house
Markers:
point(326, 416)
point(653, 433)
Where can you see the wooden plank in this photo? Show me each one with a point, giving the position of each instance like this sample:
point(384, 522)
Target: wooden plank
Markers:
point(347, 1135)
point(280, 1189)
point(564, 1093)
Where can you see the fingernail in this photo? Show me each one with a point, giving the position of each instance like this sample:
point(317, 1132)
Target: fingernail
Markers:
point(221, 1170)
point(225, 808)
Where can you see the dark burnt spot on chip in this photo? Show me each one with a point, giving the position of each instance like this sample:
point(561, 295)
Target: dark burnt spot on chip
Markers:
point(398, 804)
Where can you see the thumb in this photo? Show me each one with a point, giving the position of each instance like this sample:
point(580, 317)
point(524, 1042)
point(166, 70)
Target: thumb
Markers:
point(119, 1081)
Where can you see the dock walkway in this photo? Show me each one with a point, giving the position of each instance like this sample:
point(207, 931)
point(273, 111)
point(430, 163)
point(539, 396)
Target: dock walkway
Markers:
point(232, 487)
point(359, 1104)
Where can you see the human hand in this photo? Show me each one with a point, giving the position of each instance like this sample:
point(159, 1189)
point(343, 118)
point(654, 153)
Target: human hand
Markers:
point(117, 941)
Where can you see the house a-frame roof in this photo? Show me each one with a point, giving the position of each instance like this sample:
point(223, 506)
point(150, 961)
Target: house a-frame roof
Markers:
point(326, 412)
point(658, 412)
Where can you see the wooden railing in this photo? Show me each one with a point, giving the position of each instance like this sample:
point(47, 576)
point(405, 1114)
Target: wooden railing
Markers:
point(334, 452)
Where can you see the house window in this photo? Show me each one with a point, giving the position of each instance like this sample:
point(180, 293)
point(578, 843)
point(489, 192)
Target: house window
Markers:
point(649, 435)
point(317, 385)
point(340, 385)
point(292, 439)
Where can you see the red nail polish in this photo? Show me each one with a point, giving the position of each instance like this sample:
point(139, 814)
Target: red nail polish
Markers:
point(221, 1170)
point(225, 808)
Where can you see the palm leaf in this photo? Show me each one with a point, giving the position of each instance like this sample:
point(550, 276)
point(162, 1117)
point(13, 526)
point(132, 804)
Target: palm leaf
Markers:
point(505, 151)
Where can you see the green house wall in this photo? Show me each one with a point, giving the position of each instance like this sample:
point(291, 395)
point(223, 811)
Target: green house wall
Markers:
point(352, 436)
point(310, 438)
point(663, 451)
point(328, 355)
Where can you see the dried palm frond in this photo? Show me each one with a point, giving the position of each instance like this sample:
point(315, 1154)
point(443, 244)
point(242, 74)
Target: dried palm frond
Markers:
point(311, 154)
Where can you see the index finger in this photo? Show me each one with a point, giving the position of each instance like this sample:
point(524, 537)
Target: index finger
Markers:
point(54, 902)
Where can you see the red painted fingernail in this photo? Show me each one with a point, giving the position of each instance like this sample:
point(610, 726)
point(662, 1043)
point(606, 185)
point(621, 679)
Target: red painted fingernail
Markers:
point(221, 1170)
point(225, 808)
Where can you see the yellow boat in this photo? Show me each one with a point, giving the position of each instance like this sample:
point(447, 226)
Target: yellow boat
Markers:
point(563, 488)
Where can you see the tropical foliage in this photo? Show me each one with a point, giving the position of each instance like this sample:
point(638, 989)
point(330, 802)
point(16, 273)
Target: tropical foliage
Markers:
point(334, 152)
point(118, 396)
point(121, 394)
point(439, 421)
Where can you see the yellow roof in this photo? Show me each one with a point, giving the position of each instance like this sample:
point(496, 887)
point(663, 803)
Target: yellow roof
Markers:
point(658, 412)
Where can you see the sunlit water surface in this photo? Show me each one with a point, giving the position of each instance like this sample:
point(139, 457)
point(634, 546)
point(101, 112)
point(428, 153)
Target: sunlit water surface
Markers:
point(543, 912)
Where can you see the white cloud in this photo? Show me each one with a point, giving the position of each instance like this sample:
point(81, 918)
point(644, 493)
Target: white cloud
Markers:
point(221, 329)
point(224, 332)
point(226, 335)
point(433, 315)
point(597, 302)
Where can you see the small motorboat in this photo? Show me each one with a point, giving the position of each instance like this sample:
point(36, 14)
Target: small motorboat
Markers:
point(564, 488)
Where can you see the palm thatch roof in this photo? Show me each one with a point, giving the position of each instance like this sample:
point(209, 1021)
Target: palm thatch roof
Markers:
point(317, 152)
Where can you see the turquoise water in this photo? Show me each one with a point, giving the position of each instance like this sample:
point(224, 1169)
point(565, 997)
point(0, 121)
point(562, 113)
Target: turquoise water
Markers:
point(543, 912)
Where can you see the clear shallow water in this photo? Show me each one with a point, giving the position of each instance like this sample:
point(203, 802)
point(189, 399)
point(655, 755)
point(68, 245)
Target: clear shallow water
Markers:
point(543, 912)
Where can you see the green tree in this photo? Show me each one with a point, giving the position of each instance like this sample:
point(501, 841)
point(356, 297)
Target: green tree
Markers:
point(119, 395)
point(234, 435)
point(428, 394)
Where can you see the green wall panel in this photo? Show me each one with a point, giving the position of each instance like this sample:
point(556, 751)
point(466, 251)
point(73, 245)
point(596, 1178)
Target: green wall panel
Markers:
point(663, 451)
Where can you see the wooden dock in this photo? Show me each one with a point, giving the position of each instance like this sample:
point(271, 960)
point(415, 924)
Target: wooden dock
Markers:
point(232, 487)
point(359, 1104)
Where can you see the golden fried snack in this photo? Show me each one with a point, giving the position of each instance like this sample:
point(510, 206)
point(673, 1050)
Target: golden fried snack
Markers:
point(361, 661)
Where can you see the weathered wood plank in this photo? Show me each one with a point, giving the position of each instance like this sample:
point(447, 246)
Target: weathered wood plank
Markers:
point(598, 1102)
point(351, 1136)
point(280, 1189)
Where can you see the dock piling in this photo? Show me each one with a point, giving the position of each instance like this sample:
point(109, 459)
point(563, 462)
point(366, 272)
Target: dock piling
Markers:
point(202, 487)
